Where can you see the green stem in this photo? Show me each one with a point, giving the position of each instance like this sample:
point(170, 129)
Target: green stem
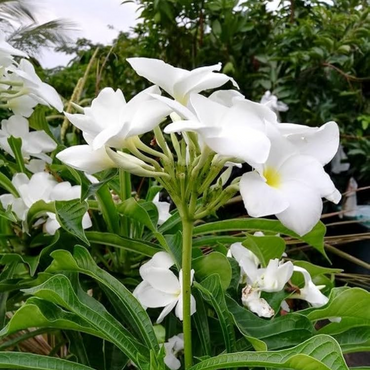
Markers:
point(187, 236)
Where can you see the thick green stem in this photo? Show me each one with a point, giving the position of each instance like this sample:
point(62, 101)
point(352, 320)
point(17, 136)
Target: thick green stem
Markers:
point(187, 236)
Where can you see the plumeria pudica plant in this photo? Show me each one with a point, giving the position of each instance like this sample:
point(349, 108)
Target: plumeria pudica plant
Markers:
point(126, 281)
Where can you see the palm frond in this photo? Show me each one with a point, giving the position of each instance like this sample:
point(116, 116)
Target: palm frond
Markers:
point(31, 38)
point(16, 10)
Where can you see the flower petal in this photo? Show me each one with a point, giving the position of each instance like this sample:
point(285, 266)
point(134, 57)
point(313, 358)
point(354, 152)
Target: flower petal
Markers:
point(305, 207)
point(153, 298)
point(259, 198)
point(161, 279)
point(166, 311)
point(84, 158)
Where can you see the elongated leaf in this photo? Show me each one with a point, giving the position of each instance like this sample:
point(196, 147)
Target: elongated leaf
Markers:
point(211, 290)
point(213, 263)
point(8, 215)
point(201, 324)
point(210, 241)
point(133, 209)
point(265, 247)
point(69, 214)
point(279, 332)
point(108, 209)
point(18, 360)
point(351, 305)
point(132, 245)
point(44, 314)
point(315, 238)
point(320, 353)
point(16, 146)
point(7, 185)
point(30, 261)
point(58, 290)
point(354, 340)
point(136, 316)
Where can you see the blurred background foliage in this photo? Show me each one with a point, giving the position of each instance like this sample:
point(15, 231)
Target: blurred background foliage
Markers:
point(313, 55)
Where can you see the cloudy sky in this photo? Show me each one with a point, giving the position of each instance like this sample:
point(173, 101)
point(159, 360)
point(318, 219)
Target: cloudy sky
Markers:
point(92, 18)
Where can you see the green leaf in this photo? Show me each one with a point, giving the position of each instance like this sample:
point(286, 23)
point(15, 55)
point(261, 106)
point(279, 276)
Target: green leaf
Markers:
point(108, 209)
point(132, 245)
point(31, 261)
point(351, 305)
point(315, 237)
point(39, 313)
point(213, 263)
point(313, 270)
point(8, 215)
point(265, 247)
point(16, 146)
point(136, 316)
point(320, 353)
point(133, 209)
point(212, 292)
point(58, 290)
point(278, 332)
point(354, 340)
point(19, 360)
point(7, 185)
point(201, 324)
point(38, 120)
point(69, 214)
point(39, 209)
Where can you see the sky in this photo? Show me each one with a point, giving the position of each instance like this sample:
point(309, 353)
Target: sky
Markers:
point(92, 18)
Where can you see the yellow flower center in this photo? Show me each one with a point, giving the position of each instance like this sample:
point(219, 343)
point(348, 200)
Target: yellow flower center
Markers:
point(272, 177)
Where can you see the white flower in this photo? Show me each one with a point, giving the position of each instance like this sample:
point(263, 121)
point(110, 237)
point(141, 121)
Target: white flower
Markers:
point(177, 82)
point(321, 143)
point(86, 159)
point(236, 132)
point(7, 51)
point(30, 191)
point(172, 349)
point(41, 186)
point(241, 254)
point(310, 292)
point(23, 105)
point(110, 120)
point(288, 185)
point(163, 210)
point(32, 85)
point(160, 286)
point(36, 165)
point(34, 143)
point(251, 298)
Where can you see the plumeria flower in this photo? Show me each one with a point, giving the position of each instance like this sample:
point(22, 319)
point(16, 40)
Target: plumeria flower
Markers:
point(236, 132)
point(85, 158)
point(160, 286)
point(38, 187)
point(33, 86)
point(22, 106)
point(64, 191)
point(287, 183)
point(7, 51)
point(251, 298)
point(321, 143)
point(34, 143)
point(41, 186)
point(310, 292)
point(177, 82)
point(173, 347)
point(241, 254)
point(110, 120)
point(36, 165)
point(163, 210)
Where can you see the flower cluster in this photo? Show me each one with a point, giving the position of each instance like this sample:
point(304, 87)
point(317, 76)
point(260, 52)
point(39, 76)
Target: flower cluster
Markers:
point(161, 287)
point(287, 177)
point(272, 278)
point(41, 186)
point(20, 91)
